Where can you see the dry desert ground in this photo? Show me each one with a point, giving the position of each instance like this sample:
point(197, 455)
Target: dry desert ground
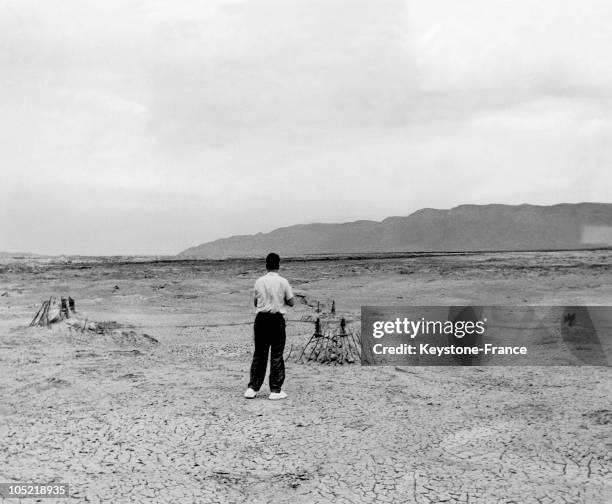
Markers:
point(145, 404)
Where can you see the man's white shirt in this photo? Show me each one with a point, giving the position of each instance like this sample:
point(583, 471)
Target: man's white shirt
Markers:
point(271, 291)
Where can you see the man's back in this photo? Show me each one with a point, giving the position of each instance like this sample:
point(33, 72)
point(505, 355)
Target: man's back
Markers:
point(271, 292)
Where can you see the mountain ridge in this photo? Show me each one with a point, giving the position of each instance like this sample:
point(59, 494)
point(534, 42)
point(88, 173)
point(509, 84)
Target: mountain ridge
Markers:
point(466, 228)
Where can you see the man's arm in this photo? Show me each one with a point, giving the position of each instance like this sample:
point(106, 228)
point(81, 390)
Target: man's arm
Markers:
point(289, 299)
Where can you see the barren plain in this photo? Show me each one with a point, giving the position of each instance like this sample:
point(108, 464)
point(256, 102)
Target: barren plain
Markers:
point(147, 406)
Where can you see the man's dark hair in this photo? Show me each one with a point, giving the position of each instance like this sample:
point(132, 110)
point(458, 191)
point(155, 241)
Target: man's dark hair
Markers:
point(272, 262)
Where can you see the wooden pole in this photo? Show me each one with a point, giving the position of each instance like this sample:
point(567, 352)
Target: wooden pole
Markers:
point(36, 317)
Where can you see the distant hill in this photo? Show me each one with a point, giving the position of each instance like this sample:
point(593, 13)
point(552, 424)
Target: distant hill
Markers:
point(17, 254)
point(463, 228)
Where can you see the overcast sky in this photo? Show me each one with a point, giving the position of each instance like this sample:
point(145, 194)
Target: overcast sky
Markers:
point(146, 127)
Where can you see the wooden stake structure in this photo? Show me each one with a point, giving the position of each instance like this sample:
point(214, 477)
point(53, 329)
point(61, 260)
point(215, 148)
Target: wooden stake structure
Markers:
point(53, 311)
point(333, 344)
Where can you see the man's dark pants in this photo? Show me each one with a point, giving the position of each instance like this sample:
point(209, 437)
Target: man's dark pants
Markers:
point(269, 331)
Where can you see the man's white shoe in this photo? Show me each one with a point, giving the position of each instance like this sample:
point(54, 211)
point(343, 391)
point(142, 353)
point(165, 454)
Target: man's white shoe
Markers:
point(275, 396)
point(250, 393)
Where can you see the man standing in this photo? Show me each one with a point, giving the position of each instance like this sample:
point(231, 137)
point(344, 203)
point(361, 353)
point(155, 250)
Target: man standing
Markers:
point(272, 293)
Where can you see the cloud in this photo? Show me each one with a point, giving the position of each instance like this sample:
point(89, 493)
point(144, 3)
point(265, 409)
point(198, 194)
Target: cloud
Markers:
point(289, 69)
point(159, 125)
point(549, 47)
